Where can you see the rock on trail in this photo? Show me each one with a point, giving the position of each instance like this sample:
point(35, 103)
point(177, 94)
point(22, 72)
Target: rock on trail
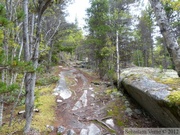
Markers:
point(82, 106)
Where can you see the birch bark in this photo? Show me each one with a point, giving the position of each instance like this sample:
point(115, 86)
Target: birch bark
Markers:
point(117, 52)
point(1, 109)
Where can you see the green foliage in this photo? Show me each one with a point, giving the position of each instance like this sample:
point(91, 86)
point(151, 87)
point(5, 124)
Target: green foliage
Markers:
point(138, 58)
point(21, 66)
point(20, 14)
point(98, 39)
point(69, 49)
point(3, 20)
point(171, 5)
point(11, 97)
point(107, 51)
point(47, 80)
point(4, 88)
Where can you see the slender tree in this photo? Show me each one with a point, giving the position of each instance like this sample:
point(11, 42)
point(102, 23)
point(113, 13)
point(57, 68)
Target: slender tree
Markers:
point(30, 77)
point(145, 28)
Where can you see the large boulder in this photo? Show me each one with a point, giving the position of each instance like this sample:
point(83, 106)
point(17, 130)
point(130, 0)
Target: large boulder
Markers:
point(147, 87)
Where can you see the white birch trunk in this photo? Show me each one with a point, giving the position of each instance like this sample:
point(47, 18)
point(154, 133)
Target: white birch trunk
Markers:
point(1, 102)
point(31, 34)
point(1, 109)
point(166, 31)
point(117, 52)
point(26, 31)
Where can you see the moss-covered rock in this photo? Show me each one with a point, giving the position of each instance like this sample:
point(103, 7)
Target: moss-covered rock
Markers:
point(155, 90)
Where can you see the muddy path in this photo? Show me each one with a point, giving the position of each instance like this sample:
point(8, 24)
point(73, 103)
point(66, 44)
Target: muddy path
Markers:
point(88, 106)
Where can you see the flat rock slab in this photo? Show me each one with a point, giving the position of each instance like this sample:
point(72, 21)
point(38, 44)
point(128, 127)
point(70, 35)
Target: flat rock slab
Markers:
point(152, 95)
point(82, 102)
point(94, 130)
point(62, 90)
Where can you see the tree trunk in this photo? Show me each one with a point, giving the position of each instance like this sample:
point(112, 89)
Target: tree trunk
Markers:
point(31, 34)
point(1, 109)
point(29, 78)
point(117, 52)
point(166, 30)
point(29, 103)
point(1, 102)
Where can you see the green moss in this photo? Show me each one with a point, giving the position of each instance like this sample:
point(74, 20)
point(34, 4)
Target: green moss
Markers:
point(47, 80)
point(46, 115)
point(174, 97)
point(174, 83)
point(120, 123)
point(133, 77)
point(114, 111)
point(110, 91)
point(45, 102)
point(16, 126)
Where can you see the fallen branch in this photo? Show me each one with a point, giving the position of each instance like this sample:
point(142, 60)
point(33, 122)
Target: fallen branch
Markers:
point(108, 117)
point(106, 125)
point(100, 121)
point(3, 67)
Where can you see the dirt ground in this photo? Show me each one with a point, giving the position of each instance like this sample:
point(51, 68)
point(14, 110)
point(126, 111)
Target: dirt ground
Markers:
point(102, 104)
point(100, 107)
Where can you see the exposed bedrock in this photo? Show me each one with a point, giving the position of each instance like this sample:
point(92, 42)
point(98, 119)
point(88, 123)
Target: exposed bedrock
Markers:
point(146, 86)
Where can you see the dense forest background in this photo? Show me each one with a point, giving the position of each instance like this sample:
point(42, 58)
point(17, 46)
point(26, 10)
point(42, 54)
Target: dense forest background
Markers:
point(35, 36)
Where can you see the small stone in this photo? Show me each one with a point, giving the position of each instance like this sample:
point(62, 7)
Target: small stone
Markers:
point(129, 112)
point(110, 122)
point(92, 95)
point(120, 94)
point(84, 132)
point(137, 111)
point(126, 103)
point(112, 97)
point(92, 104)
point(94, 130)
point(50, 127)
point(61, 129)
point(58, 101)
point(56, 94)
point(123, 99)
point(71, 132)
point(115, 93)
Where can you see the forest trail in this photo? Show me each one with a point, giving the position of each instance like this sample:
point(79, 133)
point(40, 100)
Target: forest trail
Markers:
point(87, 105)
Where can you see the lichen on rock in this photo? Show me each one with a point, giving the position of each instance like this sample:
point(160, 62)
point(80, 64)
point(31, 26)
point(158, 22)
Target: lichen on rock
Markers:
point(156, 91)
